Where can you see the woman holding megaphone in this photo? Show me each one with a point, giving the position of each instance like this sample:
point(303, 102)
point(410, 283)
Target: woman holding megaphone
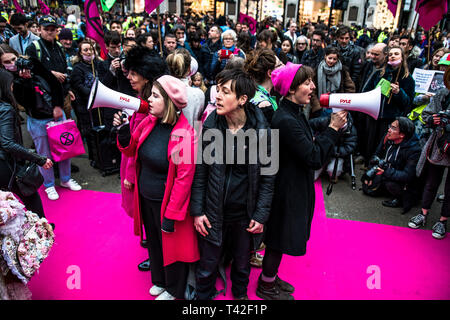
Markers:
point(142, 68)
point(289, 224)
point(164, 176)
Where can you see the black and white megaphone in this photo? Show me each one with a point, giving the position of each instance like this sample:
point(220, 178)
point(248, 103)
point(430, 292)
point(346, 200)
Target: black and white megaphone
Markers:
point(367, 102)
point(101, 96)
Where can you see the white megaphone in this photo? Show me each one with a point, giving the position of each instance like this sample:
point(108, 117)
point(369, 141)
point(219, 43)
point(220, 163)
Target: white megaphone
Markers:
point(367, 102)
point(101, 96)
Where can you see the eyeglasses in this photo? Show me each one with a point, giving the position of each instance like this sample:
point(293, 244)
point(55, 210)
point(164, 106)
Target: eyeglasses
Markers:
point(301, 43)
point(393, 128)
point(228, 39)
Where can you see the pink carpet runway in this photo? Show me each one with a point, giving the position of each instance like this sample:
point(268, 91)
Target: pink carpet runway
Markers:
point(95, 256)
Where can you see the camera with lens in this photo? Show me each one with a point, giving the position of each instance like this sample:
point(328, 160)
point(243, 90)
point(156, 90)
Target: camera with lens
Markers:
point(378, 163)
point(23, 63)
point(444, 115)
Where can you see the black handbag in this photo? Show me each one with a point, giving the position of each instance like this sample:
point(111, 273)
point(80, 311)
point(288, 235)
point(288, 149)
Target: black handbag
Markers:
point(27, 177)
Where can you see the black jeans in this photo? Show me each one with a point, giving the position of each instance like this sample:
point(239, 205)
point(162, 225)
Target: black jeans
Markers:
point(32, 203)
point(174, 276)
point(238, 241)
point(434, 177)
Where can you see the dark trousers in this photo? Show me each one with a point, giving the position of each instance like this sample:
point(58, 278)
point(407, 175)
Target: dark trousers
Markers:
point(238, 241)
point(32, 203)
point(271, 262)
point(374, 132)
point(174, 276)
point(434, 176)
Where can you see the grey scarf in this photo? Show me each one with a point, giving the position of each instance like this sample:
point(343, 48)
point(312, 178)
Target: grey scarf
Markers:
point(328, 79)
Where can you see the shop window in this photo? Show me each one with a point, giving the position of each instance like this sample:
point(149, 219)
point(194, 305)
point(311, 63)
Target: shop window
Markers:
point(353, 14)
point(232, 8)
point(291, 10)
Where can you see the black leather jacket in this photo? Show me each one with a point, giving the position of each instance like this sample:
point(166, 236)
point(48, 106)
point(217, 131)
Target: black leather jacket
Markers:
point(10, 138)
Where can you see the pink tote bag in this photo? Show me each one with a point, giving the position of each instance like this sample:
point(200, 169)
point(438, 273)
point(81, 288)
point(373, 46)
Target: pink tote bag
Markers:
point(64, 140)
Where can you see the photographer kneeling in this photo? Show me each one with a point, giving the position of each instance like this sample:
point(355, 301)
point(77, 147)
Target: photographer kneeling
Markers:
point(394, 167)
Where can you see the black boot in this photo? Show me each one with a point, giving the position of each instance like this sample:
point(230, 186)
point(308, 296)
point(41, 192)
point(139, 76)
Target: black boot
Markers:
point(284, 286)
point(271, 291)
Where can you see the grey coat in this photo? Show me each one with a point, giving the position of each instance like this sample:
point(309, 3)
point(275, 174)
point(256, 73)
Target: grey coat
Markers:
point(14, 42)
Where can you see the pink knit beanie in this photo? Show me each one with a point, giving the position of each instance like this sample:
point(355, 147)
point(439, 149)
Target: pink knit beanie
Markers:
point(175, 89)
point(282, 77)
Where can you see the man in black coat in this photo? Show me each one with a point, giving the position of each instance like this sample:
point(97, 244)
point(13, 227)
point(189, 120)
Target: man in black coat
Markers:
point(50, 53)
point(350, 54)
point(400, 151)
point(212, 45)
point(412, 52)
point(313, 57)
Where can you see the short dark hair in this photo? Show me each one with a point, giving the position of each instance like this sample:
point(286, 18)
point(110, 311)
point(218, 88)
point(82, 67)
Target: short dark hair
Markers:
point(343, 30)
point(3, 20)
point(170, 35)
point(126, 40)
point(142, 38)
point(241, 82)
point(410, 39)
point(319, 33)
point(17, 19)
point(116, 22)
point(304, 73)
point(406, 126)
point(112, 37)
point(331, 50)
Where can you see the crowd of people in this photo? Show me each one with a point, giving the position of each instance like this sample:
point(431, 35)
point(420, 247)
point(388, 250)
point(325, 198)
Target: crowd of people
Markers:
point(199, 216)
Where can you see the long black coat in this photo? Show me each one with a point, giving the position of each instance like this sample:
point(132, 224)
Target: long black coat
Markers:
point(289, 224)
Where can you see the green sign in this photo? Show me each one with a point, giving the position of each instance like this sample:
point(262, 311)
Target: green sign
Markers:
point(107, 4)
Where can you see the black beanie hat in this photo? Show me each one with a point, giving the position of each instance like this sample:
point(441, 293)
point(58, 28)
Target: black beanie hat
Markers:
point(65, 34)
point(146, 63)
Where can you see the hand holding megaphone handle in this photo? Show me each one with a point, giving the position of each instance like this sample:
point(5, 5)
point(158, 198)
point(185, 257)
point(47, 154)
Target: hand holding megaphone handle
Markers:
point(120, 119)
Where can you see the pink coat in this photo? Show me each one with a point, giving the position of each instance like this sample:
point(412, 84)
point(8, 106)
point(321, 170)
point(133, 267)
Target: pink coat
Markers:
point(180, 245)
point(128, 170)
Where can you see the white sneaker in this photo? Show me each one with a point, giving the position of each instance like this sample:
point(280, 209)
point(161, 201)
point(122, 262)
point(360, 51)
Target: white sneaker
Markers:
point(156, 291)
point(51, 193)
point(71, 184)
point(165, 296)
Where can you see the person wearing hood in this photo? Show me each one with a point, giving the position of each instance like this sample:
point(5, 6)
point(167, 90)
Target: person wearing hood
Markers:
point(400, 150)
point(396, 100)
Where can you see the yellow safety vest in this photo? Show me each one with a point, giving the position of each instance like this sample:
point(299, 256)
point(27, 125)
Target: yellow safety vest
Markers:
point(382, 37)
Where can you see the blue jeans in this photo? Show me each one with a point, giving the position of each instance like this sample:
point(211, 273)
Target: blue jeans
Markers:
point(38, 132)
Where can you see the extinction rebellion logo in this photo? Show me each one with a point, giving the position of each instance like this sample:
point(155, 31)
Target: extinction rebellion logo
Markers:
point(66, 138)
